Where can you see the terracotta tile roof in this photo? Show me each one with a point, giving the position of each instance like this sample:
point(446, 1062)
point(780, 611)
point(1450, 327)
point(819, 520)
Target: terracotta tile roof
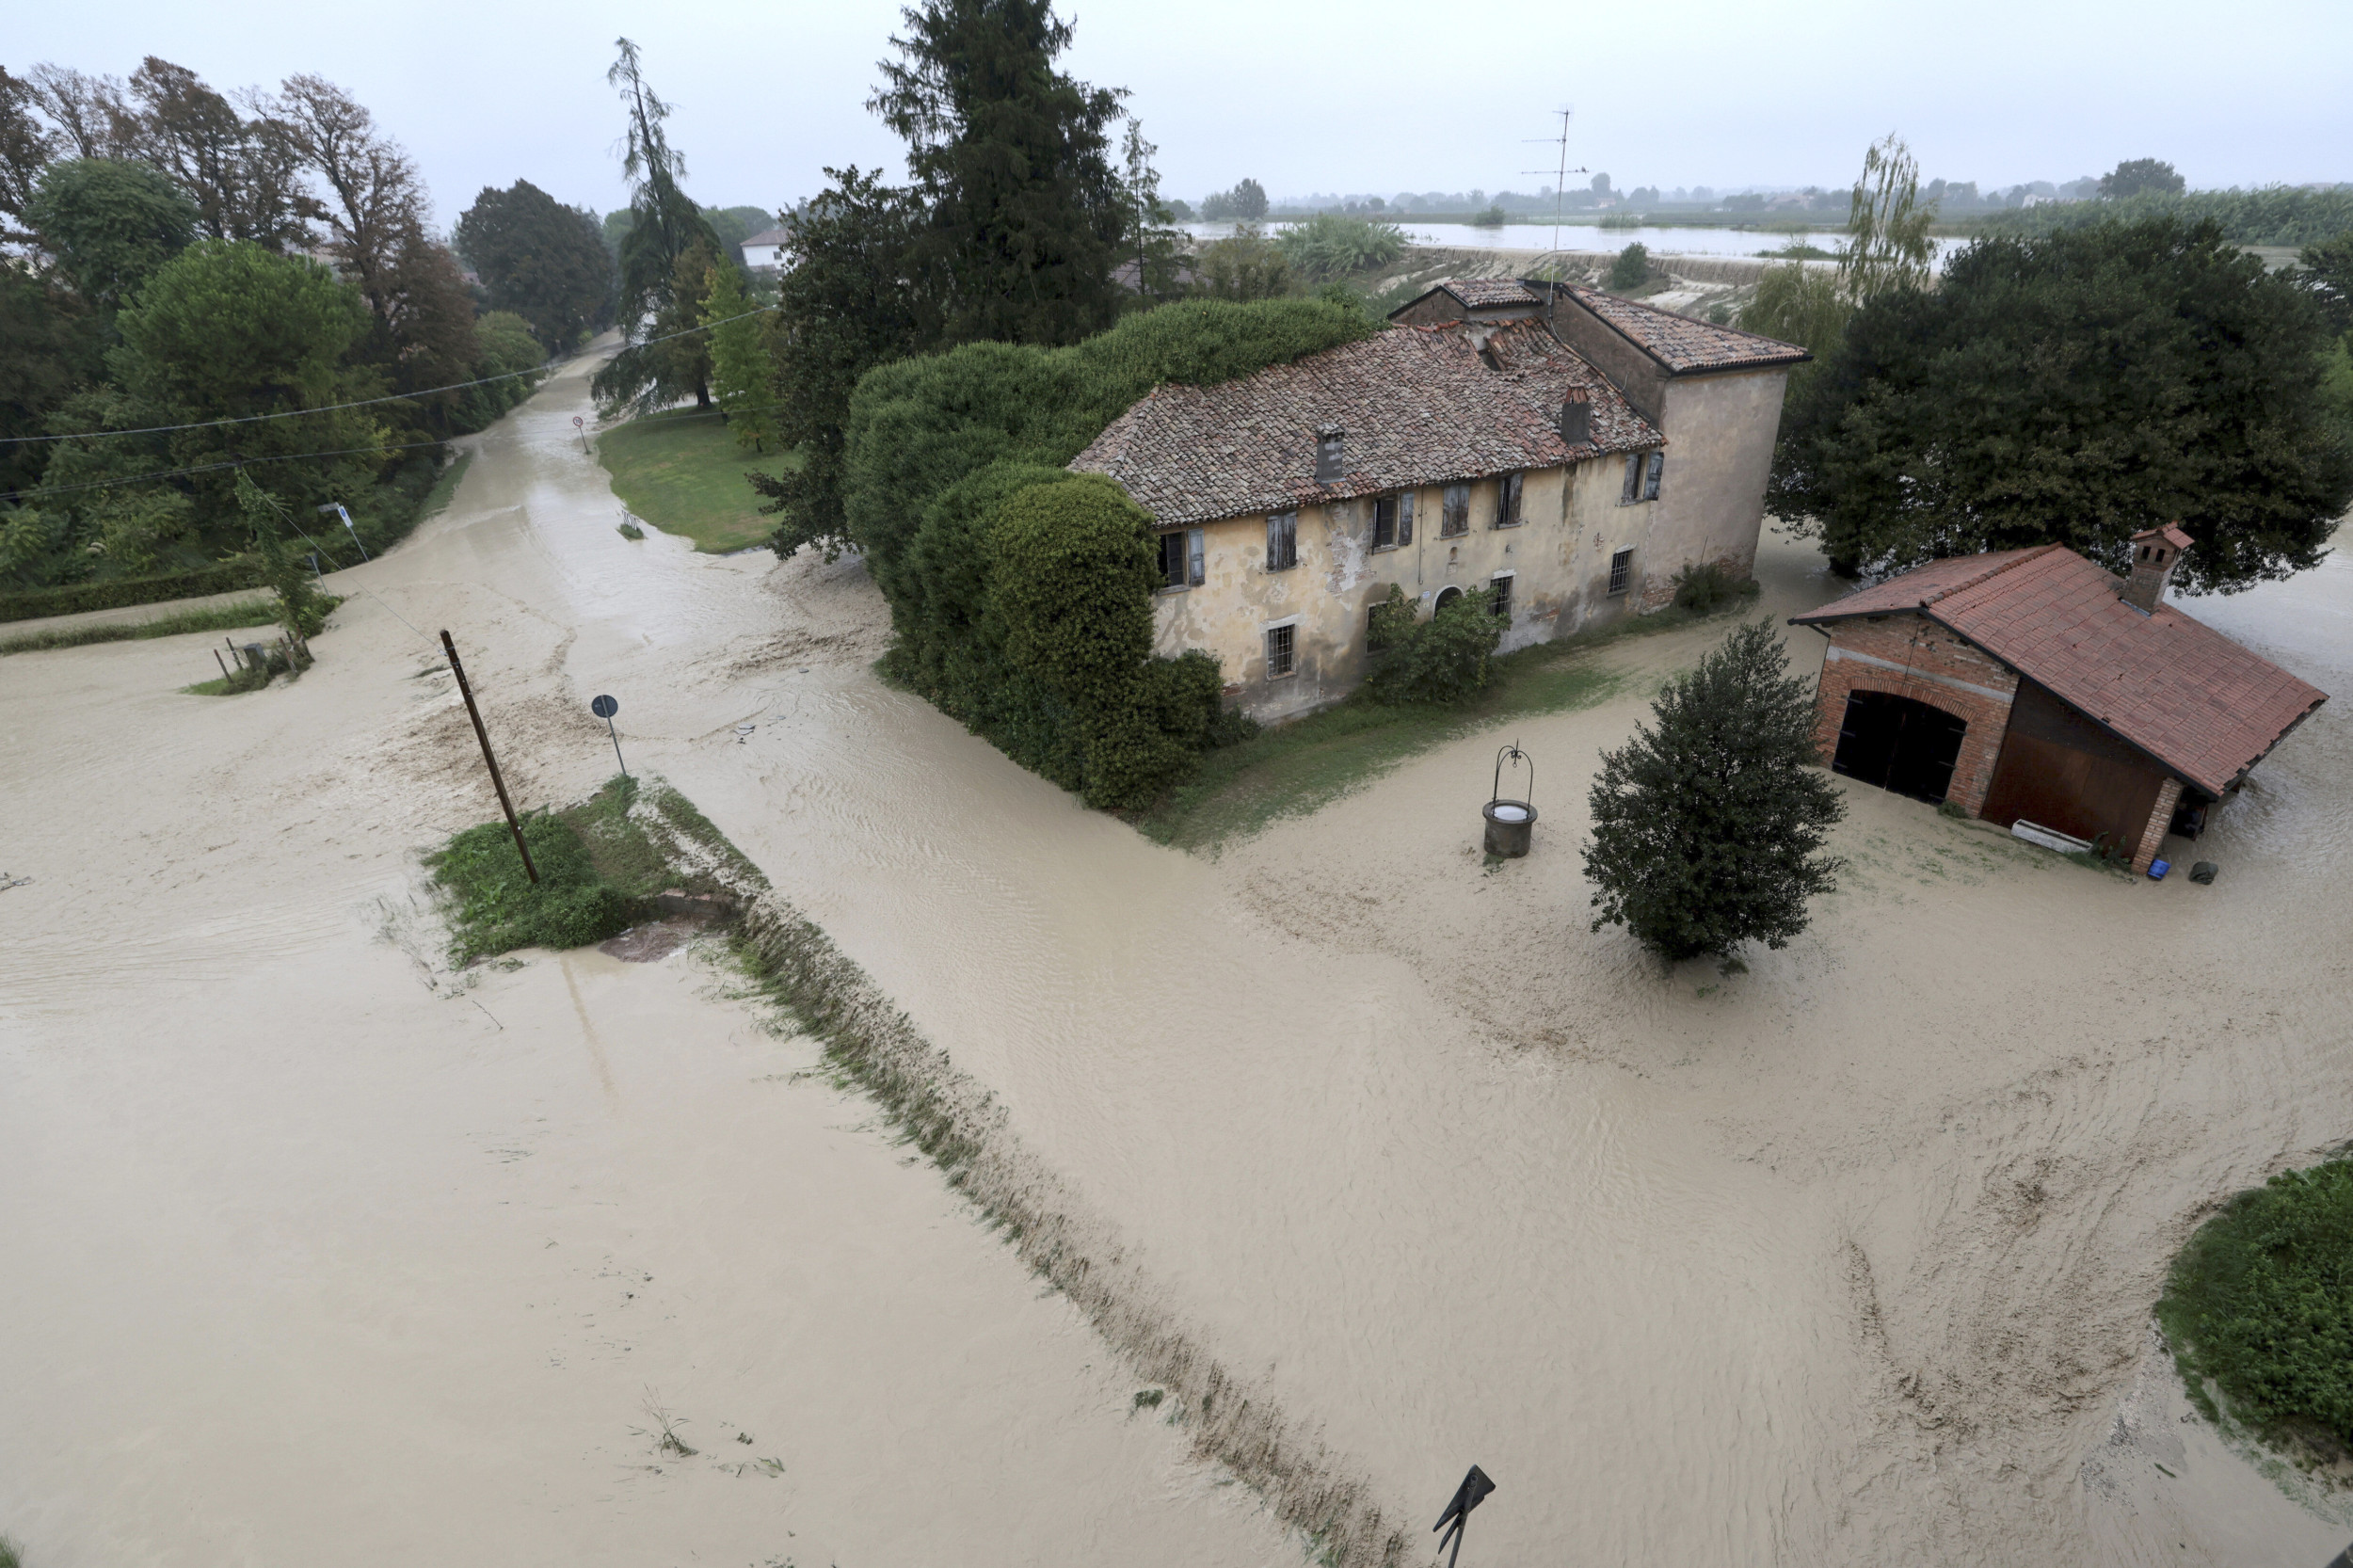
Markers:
point(1417, 405)
point(2179, 690)
point(1682, 345)
point(1483, 293)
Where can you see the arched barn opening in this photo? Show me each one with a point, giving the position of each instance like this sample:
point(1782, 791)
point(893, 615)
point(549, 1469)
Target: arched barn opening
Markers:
point(1445, 597)
point(1898, 743)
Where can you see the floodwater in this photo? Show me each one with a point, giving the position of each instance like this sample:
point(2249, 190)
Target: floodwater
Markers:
point(1666, 239)
point(1848, 1259)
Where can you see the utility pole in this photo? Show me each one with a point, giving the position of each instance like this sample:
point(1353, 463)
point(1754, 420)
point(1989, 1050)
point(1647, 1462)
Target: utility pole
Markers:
point(484, 736)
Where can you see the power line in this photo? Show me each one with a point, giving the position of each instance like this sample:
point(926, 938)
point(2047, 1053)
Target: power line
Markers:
point(367, 402)
point(212, 468)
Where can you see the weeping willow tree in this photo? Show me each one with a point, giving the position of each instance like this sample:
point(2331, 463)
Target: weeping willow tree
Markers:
point(662, 284)
point(1887, 249)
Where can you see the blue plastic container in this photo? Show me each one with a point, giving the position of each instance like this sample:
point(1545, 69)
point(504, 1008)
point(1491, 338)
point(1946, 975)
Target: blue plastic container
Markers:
point(2157, 870)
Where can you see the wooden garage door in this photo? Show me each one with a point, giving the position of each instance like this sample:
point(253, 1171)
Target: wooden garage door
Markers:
point(2060, 769)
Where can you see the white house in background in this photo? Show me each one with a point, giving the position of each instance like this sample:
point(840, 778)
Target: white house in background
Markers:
point(764, 251)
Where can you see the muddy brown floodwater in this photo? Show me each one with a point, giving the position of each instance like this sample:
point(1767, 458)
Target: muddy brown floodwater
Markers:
point(321, 1253)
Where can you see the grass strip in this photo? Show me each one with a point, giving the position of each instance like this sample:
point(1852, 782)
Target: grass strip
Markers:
point(1289, 769)
point(683, 472)
point(2259, 1307)
point(601, 862)
point(211, 618)
point(436, 500)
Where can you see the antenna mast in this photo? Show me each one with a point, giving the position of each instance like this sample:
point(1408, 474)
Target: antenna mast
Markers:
point(1560, 175)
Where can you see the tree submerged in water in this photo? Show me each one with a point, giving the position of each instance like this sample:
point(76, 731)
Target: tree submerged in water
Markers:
point(1708, 828)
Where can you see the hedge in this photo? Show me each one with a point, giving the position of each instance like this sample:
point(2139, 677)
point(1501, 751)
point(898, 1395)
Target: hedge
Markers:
point(238, 571)
point(942, 448)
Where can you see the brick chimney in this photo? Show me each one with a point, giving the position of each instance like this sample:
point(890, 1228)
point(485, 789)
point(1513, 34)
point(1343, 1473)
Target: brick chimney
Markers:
point(2154, 553)
point(1577, 417)
point(1331, 464)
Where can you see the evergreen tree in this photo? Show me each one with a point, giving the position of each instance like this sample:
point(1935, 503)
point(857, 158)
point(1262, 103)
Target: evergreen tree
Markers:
point(1012, 159)
point(742, 375)
point(2076, 387)
point(543, 261)
point(1708, 828)
point(847, 300)
point(1155, 247)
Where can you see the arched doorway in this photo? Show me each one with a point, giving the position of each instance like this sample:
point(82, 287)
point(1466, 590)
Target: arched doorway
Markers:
point(1898, 743)
point(1445, 597)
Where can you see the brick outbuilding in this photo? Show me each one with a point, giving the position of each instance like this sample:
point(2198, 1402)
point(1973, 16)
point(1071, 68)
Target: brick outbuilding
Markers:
point(2031, 685)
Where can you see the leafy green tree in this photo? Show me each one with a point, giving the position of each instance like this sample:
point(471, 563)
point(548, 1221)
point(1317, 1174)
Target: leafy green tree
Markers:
point(26, 146)
point(110, 225)
point(2139, 176)
point(1330, 245)
point(1631, 270)
point(226, 331)
point(1250, 203)
point(847, 301)
point(743, 376)
point(1244, 266)
point(1444, 659)
point(282, 568)
point(543, 261)
point(2328, 273)
point(245, 175)
point(2076, 387)
point(49, 346)
point(1709, 826)
point(1025, 213)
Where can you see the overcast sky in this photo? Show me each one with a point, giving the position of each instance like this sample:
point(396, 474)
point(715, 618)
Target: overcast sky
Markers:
point(1317, 95)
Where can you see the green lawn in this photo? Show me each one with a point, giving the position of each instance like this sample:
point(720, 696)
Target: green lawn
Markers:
point(1294, 768)
point(682, 473)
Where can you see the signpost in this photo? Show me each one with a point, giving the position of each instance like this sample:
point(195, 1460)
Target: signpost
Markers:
point(580, 425)
point(1468, 1495)
point(605, 708)
point(337, 507)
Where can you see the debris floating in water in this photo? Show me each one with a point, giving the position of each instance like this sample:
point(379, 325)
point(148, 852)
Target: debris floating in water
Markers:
point(1511, 813)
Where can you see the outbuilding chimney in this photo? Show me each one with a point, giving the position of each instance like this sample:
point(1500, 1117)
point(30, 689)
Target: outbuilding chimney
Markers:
point(1329, 464)
point(2154, 553)
point(1577, 417)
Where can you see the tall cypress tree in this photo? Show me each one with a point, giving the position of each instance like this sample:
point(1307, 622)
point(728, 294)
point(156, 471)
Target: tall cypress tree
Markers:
point(1013, 161)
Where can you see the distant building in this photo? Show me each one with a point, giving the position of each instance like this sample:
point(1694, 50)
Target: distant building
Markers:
point(2031, 685)
point(764, 251)
point(1567, 453)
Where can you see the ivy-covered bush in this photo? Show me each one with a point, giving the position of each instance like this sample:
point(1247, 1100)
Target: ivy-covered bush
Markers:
point(943, 449)
point(1443, 659)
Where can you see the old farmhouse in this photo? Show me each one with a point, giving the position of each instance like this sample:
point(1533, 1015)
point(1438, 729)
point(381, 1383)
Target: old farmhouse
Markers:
point(1567, 451)
point(2031, 685)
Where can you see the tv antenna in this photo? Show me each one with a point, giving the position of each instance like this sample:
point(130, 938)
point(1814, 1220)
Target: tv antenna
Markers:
point(1559, 175)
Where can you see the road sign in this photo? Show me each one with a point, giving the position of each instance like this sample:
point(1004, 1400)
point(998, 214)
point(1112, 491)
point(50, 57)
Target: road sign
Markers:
point(581, 425)
point(605, 708)
point(1468, 1495)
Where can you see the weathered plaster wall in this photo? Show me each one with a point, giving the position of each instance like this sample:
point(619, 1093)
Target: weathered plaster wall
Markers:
point(1720, 432)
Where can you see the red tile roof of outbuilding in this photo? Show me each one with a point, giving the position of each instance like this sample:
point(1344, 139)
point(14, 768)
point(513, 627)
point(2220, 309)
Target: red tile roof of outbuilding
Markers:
point(2179, 690)
point(1416, 405)
point(1684, 345)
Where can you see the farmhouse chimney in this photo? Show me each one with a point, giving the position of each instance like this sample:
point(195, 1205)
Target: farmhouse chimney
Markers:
point(2154, 553)
point(1329, 466)
point(1577, 417)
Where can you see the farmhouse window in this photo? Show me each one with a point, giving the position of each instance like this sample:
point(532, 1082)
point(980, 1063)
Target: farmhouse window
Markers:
point(1454, 511)
point(1393, 521)
point(1502, 600)
point(1182, 559)
point(1641, 476)
point(1280, 643)
point(1281, 540)
point(1508, 501)
point(1620, 571)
